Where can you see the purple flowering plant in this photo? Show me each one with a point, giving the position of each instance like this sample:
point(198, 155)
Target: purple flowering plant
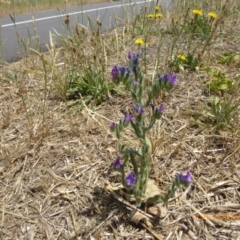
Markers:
point(120, 74)
point(180, 179)
point(131, 179)
point(134, 164)
point(117, 163)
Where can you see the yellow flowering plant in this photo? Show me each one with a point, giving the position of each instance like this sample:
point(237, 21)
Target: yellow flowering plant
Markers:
point(181, 62)
point(156, 8)
point(197, 12)
point(182, 57)
point(139, 41)
point(156, 14)
point(175, 27)
point(159, 15)
point(212, 15)
point(202, 24)
point(150, 16)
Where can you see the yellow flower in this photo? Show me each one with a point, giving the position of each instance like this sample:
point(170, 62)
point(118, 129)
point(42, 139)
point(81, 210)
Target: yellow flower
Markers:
point(197, 12)
point(175, 20)
point(212, 15)
point(150, 16)
point(182, 57)
point(158, 15)
point(139, 41)
point(157, 8)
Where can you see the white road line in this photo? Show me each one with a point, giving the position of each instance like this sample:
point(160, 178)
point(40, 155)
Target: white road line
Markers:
point(73, 13)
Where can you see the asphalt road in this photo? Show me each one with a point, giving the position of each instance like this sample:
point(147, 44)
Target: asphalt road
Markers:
point(27, 27)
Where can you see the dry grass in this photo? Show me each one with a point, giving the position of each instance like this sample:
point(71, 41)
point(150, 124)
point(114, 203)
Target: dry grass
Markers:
point(55, 160)
point(25, 6)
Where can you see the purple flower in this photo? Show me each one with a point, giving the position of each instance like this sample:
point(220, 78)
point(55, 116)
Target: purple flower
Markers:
point(170, 79)
point(161, 108)
point(134, 83)
point(129, 55)
point(113, 125)
point(117, 164)
point(115, 72)
point(184, 179)
point(128, 118)
point(131, 179)
point(134, 69)
point(120, 72)
point(124, 70)
point(139, 109)
point(152, 106)
point(133, 57)
point(157, 111)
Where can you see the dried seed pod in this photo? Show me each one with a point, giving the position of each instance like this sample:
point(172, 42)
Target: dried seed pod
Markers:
point(77, 30)
point(97, 33)
point(72, 49)
point(70, 40)
point(99, 23)
point(67, 20)
point(83, 30)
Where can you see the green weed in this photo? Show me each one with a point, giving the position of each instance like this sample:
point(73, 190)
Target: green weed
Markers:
point(229, 58)
point(224, 113)
point(219, 82)
point(91, 86)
